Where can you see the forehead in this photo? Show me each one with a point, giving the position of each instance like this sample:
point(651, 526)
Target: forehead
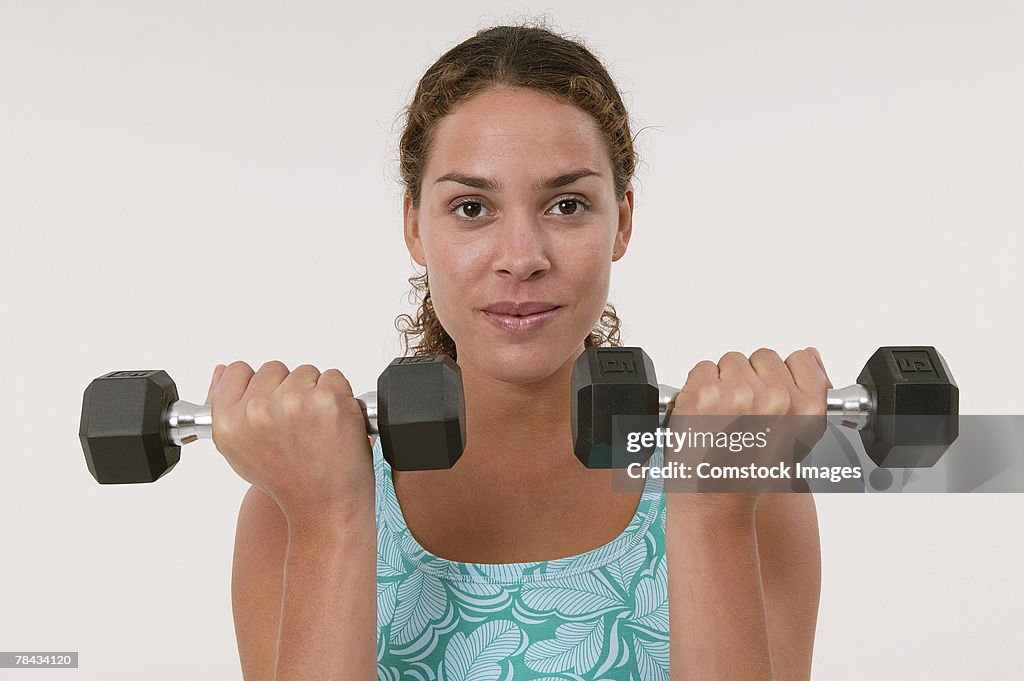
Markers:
point(531, 129)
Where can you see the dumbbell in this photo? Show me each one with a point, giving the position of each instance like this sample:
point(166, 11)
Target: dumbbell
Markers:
point(133, 424)
point(905, 403)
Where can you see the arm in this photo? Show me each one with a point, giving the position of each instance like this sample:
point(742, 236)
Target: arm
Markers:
point(744, 595)
point(257, 583)
point(717, 616)
point(304, 593)
point(743, 580)
point(790, 553)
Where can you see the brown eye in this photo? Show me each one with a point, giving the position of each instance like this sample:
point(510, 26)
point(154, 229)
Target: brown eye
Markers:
point(571, 207)
point(571, 203)
point(470, 209)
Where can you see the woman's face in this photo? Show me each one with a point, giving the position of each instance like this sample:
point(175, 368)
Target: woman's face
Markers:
point(517, 226)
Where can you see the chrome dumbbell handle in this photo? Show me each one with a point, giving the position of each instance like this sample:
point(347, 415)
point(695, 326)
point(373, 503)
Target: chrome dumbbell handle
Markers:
point(186, 422)
point(851, 406)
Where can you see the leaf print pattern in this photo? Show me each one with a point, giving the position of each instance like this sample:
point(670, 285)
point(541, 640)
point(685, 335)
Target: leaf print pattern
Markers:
point(584, 595)
point(576, 647)
point(623, 570)
point(476, 657)
point(652, 659)
point(420, 601)
point(650, 610)
point(600, 615)
point(387, 594)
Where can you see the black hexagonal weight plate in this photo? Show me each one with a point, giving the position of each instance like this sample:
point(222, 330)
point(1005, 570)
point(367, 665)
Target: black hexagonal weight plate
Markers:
point(609, 382)
point(122, 430)
point(917, 405)
point(421, 413)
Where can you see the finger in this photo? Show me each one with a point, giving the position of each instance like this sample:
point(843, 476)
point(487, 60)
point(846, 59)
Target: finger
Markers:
point(266, 379)
point(335, 381)
point(218, 371)
point(735, 368)
point(232, 383)
point(817, 357)
point(303, 377)
point(703, 372)
point(807, 373)
point(770, 368)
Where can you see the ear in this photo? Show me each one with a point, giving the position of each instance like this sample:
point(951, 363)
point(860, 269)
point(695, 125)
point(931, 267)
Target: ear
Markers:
point(625, 224)
point(411, 230)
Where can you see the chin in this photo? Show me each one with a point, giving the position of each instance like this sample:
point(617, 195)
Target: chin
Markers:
point(519, 362)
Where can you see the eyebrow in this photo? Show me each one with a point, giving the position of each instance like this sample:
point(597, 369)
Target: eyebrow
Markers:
point(491, 185)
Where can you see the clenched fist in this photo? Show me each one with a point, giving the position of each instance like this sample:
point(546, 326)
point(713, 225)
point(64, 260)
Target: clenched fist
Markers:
point(299, 436)
point(763, 386)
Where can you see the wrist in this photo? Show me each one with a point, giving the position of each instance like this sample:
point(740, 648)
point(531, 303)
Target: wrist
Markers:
point(332, 519)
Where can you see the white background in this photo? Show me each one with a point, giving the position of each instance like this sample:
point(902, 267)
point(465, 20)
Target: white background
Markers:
point(187, 183)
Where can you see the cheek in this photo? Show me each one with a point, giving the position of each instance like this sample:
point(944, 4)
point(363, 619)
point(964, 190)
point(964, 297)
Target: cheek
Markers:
point(454, 273)
point(595, 281)
point(591, 268)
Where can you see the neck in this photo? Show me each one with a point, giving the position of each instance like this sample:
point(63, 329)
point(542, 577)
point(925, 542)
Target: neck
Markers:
point(510, 426)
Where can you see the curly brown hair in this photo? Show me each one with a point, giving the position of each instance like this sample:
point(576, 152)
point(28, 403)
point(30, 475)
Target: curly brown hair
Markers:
point(527, 55)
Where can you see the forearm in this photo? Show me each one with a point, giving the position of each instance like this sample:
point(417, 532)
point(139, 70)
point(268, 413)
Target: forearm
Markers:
point(717, 615)
point(329, 605)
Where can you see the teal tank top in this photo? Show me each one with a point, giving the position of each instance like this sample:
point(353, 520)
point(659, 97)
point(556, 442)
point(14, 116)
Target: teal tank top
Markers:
point(602, 614)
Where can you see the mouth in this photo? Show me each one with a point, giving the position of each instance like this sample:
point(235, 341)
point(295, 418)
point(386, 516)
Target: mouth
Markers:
point(520, 318)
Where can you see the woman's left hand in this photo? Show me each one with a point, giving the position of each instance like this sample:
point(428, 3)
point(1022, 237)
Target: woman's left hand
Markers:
point(762, 385)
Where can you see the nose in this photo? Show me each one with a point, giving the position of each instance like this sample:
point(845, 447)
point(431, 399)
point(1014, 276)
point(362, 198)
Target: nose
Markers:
point(521, 249)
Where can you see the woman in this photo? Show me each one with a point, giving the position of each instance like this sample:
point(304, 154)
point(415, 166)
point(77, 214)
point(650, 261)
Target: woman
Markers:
point(517, 160)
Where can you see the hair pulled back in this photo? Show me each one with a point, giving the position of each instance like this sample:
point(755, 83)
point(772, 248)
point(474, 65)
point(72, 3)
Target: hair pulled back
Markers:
point(526, 56)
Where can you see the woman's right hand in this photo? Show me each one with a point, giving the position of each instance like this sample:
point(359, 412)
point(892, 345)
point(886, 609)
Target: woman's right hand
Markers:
point(299, 436)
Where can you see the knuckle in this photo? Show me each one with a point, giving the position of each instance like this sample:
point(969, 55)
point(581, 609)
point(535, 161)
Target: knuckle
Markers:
point(799, 355)
point(273, 365)
point(239, 365)
point(307, 367)
point(684, 403)
point(258, 408)
point(325, 401)
point(703, 372)
point(703, 365)
point(339, 381)
point(293, 402)
point(733, 356)
point(707, 397)
point(741, 396)
point(777, 400)
point(765, 353)
point(223, 427)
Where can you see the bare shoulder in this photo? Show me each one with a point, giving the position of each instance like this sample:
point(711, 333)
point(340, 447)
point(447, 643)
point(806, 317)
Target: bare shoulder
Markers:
point(257, 581)
point(789, 548)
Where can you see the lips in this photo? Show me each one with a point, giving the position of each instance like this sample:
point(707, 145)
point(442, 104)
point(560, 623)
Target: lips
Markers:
point(520, 309)
point(520, 317)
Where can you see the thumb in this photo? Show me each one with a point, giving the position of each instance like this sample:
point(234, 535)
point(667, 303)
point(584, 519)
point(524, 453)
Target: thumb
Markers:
point(218, 371)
